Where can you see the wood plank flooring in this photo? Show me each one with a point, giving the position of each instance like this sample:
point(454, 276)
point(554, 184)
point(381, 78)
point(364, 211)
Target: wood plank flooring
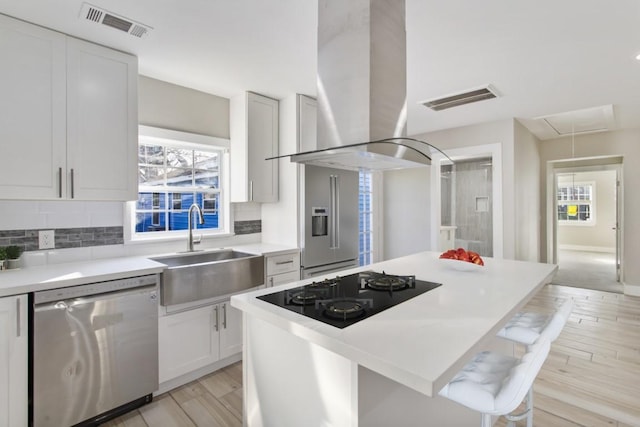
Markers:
point(214, 400)
point(592, 374)
point(591, 377)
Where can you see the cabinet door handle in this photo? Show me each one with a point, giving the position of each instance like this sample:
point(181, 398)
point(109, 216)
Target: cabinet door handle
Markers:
point(271, 282)
point(217, 318)
point(18, 318)
point(251, 191)
point(284, 262)
point(72, 185)
point(224, 316)
point(60, 183)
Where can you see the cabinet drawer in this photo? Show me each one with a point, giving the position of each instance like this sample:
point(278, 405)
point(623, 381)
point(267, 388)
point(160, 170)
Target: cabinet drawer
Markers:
point(283, 263)
point(279, 279)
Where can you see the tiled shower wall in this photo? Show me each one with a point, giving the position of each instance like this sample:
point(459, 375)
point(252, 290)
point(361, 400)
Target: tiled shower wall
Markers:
point(466, 200)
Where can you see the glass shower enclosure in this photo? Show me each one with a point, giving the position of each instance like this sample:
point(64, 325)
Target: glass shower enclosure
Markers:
point(466, 206)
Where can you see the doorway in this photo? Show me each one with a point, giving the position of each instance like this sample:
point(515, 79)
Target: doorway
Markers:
point(587, 227)
point(466, 213)
point(466, 205)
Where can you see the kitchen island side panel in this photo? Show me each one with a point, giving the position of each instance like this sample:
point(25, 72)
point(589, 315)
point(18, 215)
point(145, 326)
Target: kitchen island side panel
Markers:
point(291, 382)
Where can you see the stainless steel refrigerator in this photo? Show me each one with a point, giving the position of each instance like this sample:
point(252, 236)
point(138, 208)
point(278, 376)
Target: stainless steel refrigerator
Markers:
point(330, 220)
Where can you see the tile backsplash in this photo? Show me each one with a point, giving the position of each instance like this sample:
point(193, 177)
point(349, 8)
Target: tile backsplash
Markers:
point(64, 237)
point(85, 237)
point(92, 230)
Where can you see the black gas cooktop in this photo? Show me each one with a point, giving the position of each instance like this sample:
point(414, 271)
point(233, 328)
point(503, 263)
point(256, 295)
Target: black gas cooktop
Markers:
point(343, 301)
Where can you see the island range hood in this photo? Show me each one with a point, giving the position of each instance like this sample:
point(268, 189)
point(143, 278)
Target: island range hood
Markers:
point(362, 86)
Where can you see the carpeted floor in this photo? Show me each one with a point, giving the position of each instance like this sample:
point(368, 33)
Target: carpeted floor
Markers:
point(590, 270)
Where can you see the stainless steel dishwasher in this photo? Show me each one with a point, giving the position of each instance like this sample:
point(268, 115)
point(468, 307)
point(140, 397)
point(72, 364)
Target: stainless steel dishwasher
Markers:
point(95, 351)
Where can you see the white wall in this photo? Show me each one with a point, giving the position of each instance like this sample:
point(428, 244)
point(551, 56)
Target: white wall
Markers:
point(406, 212)
point(168, 106)
point(625, 143)
point(600, 236)
point(526, 194)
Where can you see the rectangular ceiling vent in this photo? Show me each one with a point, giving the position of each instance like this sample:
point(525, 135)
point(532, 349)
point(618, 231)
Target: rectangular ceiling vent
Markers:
point(455, 100)
point(95, 14)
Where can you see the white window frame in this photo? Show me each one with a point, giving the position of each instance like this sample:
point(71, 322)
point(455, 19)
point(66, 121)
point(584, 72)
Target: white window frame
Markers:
point(591, 222)
point(149, 134)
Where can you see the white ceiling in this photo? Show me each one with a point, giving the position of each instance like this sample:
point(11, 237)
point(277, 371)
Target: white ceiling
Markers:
point(544, 57)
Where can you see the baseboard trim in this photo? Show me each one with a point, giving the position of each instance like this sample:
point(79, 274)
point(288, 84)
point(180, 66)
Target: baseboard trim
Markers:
point(198, 373)
point(631, 290)
point(604, 249)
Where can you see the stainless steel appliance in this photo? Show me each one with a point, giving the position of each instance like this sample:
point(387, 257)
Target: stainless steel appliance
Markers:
point(95, 351)
point(330, 220)
point(343, 301)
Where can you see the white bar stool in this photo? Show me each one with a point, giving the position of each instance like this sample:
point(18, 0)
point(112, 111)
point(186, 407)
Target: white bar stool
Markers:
point(496, 384)
point(527, 328)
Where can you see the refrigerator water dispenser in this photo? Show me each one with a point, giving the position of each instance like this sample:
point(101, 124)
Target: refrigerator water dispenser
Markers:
point(319, 221)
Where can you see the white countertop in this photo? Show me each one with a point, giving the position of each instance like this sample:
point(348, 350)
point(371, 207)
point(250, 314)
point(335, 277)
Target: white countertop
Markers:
point(22, 281)
point(266, 249)
point(51, 276)
point(422, 342)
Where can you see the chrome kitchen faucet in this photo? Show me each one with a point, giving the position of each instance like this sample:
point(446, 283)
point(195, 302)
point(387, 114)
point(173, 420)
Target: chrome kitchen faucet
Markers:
point(190, 243)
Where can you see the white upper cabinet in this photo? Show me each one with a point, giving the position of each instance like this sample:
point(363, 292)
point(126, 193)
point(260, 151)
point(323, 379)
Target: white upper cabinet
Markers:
point(32, 110)
point(102, 122)
point(254, 137)
point(68, 117)
point(307, 123)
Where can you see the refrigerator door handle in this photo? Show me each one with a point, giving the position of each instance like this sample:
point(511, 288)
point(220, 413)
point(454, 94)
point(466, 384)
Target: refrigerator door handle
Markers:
point(334, 221)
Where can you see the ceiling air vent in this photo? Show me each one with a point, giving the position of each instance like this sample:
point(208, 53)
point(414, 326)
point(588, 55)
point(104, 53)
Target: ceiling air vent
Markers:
point(100, 16)
point(455, 100)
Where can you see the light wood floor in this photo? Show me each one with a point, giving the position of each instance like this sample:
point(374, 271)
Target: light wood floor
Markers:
point(591, 378)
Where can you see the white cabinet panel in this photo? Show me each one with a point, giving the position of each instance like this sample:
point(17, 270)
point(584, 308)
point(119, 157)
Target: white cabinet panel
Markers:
point(230, 330)
point(282, 268)
point(307, 123)
point(13, 361)
point(195, 338)
point(68, 117)
point(101, 122)
point(254, 137)
point(187, 341)
point(277, 264)
point(279, 279)
point(32, 110)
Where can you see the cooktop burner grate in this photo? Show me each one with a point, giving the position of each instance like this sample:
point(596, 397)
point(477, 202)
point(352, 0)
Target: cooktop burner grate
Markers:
point(343, 301)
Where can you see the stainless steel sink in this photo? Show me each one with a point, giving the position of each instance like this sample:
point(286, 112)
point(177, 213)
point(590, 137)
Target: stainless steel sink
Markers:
point(193, 276)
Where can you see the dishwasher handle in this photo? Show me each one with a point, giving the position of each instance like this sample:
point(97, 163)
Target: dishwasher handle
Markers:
point(91, 289)
point(69, 304)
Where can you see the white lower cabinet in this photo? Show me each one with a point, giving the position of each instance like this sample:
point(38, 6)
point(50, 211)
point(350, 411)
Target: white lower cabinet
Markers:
point(13, 361)
point(230, 330)
point(192, 339)
point(279, 279)
point(282, 268)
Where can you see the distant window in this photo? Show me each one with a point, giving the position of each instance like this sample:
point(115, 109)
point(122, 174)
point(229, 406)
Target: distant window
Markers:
point(576, 204)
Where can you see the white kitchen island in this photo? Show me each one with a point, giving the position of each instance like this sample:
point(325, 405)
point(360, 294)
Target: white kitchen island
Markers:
point(387, 369)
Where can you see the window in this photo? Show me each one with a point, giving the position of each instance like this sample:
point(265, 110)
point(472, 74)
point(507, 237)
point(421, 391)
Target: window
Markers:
point(173, 174)
point(366, 213)
point(576, 203)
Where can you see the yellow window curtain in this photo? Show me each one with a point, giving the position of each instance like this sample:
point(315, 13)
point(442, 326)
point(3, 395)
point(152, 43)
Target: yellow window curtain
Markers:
point(572, 210)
